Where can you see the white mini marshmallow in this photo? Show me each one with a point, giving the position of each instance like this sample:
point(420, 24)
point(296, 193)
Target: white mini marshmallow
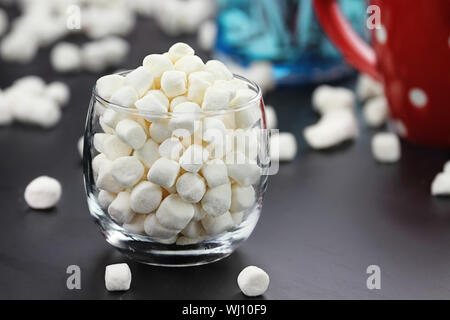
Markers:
point(120, 210)
point(173, 83)
point(29, 84)
point(215, 172)
point(105, 198)
point(253, 281)
point(131, 133)
point(185, 119)
point(242, 198)
point(114, 148)
point(93, 57)
point(271, 117)
point(213, 129)
point(43, 193)
point(250, 112)
point(219, 70)
point(160, 131)
point(217, 225)
point(189, 64)
point(441, 185)
point(157, 64)
point(199, 213)
point(386, 147)
point(171, 148)
point(191, 187)
point(198, 83)
point(367, 87)
point(107, 85)
point(262, 73)
point(193, 158)
point(127, 171)
point(99, 161)
point(105, 180)
point(447, 167)
point(207, 34)
point(283, 147)
point(332, 129)
point(164, 172)
point(180, 50)
point(141, 79)
point(194, 229)
point(216, 99)
point(174, 213)
point(148, 154)
point(117, 277)
point(326, 98)
point(99, 140)
point(18, 47)
point(136, 225)
point(125, 97)
point(241, 169)
point(65, 57)
point(238, 217)
point(154, 229)
point(217, 201)
point(375, 111)
point(58, 92)
point(145, 197)
point(155, 103)
point(176, 101)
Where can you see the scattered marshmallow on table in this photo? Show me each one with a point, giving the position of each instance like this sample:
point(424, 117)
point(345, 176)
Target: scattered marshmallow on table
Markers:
point(43, 193)
point(375, 111)
point(117, 277)
point(386, 147)
point(441, 184)
point(120, 209)
point(271, 117)
point(283, 147)
point(207, 34)
point(332, 129)
point(80, 146)
point(326, 98)
point(367, 87)
point(66, 57)
point(127, 171)
point(145, 197)
point(253, 281)
point(58, 92)
point(174, 213)
point(191, 187)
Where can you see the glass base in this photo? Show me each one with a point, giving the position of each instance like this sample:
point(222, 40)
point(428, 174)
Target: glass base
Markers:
point(145, 250)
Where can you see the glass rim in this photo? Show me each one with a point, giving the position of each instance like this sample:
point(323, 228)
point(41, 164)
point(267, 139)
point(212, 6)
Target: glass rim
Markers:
point(135, 111)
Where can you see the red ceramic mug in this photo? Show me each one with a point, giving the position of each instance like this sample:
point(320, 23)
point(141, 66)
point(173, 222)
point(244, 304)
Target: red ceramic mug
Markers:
point(410, 55)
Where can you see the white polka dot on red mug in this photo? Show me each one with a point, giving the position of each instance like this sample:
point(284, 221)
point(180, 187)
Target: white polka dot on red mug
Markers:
point(418, 97)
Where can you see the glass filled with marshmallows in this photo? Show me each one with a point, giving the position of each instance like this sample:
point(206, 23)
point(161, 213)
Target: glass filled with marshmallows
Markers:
point(176, 159)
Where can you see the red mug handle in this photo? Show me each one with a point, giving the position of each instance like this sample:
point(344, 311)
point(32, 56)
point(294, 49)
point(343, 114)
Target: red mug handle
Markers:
point(355, 50)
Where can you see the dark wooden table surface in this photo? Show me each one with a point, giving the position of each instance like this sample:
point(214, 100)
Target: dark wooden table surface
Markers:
point(327, 216)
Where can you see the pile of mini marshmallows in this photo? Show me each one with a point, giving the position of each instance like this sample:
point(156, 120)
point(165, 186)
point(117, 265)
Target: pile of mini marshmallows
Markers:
point(93, 56)
point(30, 100)
point(175, 179)
point(46, 21)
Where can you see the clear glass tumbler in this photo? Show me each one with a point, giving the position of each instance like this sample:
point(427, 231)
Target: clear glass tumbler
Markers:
point(243, 147)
